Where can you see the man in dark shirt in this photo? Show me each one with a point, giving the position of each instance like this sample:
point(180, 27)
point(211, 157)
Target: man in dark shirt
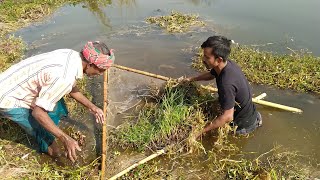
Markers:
point(235, 95)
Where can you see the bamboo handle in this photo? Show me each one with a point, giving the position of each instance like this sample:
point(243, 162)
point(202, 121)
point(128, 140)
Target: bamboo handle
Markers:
point(142, 72)
point(261, 96)
point(158, 153)
point(262, 102)
point(104, 127)
point(275, 105)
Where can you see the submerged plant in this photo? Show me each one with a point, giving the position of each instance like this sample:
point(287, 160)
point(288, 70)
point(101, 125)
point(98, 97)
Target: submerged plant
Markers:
point(300, 72)
point(176, 22)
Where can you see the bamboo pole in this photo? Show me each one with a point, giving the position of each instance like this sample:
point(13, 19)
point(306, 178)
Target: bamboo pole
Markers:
point(275, 105)
point(261, 96)
point(156, 154)
point(141, 72)
point(210, 88)
point(265, 103)
point(104, 127)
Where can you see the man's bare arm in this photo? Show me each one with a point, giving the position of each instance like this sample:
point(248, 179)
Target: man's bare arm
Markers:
point(220, 121)
point(46, 122)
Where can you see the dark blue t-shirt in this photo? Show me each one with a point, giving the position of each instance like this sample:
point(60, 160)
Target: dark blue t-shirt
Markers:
point(234, 91)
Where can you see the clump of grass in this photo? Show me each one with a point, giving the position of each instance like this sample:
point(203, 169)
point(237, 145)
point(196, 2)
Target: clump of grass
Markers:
point(176, 116)
point(299, 71)
point(176, 22)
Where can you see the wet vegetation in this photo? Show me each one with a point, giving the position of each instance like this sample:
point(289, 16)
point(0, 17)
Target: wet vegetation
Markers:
point(176, 22)
point(176, 114)
point(299, 71)
point(172, 119)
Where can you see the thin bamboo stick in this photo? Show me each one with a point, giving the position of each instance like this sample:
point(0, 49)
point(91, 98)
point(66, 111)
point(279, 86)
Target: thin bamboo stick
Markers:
point(141, 72)
point(262, 102)
point(104, 127)
point(156, 154)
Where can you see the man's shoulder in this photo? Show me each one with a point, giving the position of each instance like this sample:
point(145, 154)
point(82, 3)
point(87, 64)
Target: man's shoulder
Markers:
point(64, 51)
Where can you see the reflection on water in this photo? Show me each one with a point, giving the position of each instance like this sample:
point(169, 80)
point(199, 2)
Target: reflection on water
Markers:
point(96, 7)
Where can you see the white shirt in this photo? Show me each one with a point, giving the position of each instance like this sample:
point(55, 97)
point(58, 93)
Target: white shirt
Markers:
point(40, 80)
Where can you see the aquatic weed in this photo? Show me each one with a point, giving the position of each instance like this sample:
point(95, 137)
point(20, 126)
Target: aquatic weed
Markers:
point(176, 22)
point(300, 71)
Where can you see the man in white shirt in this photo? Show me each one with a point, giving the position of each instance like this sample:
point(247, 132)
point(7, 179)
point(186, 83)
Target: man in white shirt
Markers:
point(33, 89)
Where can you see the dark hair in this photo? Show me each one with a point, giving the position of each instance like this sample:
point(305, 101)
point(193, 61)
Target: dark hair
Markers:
point(220, 46)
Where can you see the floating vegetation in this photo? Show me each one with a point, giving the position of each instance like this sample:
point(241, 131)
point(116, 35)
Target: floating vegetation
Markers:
point(174, 117)
point(298, 71)
point(176, 22)
point(277, 163)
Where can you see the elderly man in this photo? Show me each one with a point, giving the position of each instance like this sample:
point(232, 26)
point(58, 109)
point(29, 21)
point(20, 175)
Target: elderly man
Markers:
point(234, 91)
point(32, 92)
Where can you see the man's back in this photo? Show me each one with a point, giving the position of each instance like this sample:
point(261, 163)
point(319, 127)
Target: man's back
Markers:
point(234, 91)
point(22, 82)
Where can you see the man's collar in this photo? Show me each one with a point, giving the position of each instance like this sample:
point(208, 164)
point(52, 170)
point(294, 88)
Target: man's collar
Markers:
point(79, 67)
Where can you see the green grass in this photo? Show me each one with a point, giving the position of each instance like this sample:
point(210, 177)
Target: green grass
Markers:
point(300, 71)
point(177, 114)
point(176, 22)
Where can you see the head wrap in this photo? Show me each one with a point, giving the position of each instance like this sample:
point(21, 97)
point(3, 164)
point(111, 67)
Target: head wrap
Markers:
point(96, 57)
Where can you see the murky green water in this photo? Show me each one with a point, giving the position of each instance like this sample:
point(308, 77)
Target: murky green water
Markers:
point(286, 23)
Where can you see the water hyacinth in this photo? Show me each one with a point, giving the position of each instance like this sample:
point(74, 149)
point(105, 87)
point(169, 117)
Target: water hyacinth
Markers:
point(299, 71)
point(176, 22)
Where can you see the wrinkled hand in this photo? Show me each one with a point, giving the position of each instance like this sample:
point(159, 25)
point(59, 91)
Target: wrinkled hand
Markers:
point(182, 80)
point(71, 146)
point(98, 113)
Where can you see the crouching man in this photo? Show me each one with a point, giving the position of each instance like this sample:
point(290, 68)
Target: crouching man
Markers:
point(32, 92)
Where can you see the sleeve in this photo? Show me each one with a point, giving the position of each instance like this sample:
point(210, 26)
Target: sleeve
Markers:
point(51, 92)
point(213, 73)
point(227, 94)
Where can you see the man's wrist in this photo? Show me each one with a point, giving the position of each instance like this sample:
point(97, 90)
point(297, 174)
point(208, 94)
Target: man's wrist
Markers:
point(192, 79)
point(63, 138)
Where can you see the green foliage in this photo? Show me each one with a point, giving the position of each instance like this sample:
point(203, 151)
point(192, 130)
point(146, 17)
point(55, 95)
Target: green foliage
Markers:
point(176, 115)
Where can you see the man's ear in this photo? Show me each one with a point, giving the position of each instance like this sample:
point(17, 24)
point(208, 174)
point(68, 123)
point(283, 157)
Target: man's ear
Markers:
point(220, 59)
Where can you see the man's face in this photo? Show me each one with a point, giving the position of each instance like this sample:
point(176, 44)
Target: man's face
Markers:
point(209, 60)
point(93, 70)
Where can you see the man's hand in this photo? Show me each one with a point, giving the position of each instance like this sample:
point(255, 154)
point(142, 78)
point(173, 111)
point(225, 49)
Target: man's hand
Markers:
point(98, 113)
point(183, 80)
point(70, 146)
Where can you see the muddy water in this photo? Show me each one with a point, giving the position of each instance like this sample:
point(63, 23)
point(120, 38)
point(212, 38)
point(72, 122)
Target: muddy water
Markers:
point(138, 45)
